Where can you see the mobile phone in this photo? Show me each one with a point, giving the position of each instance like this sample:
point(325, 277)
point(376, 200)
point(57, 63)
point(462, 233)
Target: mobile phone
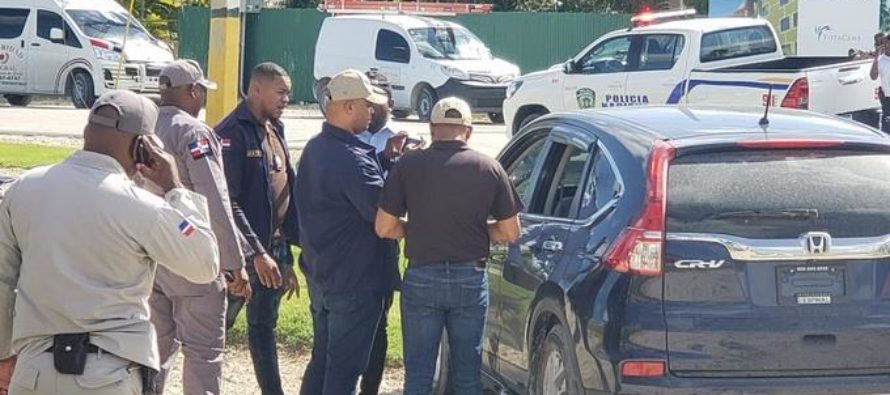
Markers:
point(141, 153)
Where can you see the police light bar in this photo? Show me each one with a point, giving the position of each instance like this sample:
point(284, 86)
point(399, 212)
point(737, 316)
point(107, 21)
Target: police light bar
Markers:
point(646, 18)
point(398, 7)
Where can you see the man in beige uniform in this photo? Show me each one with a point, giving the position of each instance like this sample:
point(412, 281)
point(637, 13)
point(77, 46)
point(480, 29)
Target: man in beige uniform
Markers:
point(79, 245)
point(189, 315)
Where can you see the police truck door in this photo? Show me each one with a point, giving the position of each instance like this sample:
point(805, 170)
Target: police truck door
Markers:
point(598, 78)
point(13, 52)
point(658, 70)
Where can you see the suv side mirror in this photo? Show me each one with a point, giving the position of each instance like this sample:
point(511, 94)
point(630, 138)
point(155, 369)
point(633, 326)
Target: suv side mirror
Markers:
point(400, 54)
point(56, 35)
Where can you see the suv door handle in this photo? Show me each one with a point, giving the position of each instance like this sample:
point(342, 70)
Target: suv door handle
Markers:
point(551, 246)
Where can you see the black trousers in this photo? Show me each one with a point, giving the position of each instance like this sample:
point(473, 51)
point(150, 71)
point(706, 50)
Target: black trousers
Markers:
point(885, 114)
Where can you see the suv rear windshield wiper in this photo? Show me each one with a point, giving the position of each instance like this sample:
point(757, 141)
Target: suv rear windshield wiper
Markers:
point(791, 214)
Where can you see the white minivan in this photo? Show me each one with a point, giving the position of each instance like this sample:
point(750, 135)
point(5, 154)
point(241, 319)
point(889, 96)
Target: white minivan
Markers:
point(423, 59)
point(74, 48)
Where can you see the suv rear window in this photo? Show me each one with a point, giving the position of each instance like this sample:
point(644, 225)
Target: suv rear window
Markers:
point(780, 194)
point(12, 22)
point(737, 43)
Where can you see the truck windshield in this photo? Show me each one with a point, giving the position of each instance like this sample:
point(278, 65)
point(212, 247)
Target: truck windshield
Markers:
point(108, 25)
point(449, 43)
point(737, 43)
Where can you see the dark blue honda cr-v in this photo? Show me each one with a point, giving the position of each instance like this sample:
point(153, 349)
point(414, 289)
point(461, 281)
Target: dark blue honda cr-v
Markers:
point(674, 250)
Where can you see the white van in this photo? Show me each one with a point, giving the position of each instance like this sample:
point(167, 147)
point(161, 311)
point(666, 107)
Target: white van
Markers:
point(73, 48)
point(422, 59)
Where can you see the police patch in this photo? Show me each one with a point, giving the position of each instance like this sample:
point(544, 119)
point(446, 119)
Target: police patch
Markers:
point(586, 98)
point(200, 148)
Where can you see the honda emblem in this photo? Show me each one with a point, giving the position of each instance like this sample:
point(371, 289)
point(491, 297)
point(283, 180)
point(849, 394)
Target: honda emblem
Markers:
point(818, 242)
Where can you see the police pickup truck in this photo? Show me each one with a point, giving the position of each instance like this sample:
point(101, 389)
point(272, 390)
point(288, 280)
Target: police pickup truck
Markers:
point(732, 62)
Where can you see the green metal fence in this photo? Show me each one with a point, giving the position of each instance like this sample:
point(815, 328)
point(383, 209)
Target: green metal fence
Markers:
point(533, 41)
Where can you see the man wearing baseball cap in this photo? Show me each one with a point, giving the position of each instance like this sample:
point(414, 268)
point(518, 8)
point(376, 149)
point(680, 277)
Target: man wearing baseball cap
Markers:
point(79, 245)
point(187, 315)
point(349, 269)
point(449, 193)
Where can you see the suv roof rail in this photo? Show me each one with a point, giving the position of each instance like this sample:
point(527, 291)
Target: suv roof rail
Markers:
point(337, 7)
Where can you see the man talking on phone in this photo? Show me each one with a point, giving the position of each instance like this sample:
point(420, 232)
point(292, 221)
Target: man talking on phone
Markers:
point(79, 245)
point(187, 315)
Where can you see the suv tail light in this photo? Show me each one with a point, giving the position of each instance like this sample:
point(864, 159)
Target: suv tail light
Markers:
point(798, 95)
point(642, 369)
point(640, 247)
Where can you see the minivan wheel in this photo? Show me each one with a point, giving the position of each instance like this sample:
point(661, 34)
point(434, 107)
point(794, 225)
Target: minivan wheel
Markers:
point(426, 99)
point(82, 90)
point(441, 384)
point(321, 94)
point(18, 100)
point(554, 370)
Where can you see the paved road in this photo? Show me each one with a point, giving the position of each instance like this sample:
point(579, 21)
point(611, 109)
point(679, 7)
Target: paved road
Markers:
point(301, 124)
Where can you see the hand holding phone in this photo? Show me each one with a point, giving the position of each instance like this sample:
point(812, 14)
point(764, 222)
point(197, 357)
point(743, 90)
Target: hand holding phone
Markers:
point(156, 165)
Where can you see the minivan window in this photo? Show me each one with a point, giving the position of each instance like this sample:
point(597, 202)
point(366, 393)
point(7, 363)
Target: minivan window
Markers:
point(108, 25)
point(454, 43)
point(12, 22)
point(780, 194)
point(737, 43)
point(387, 44)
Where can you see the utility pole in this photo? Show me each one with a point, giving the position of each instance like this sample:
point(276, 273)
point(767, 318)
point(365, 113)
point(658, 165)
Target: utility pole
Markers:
point(224, 58)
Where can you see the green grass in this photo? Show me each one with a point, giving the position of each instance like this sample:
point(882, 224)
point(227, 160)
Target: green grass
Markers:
point(26, 156)
point(295, 324)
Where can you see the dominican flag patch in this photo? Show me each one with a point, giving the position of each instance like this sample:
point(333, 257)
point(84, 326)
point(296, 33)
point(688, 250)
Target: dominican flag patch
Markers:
point(186, 228)
point(200, 148)
point(226, 143)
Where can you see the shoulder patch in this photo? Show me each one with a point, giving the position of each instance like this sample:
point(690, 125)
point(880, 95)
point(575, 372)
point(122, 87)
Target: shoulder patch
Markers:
point(200, 148)
point(226, 143)
point(186, 228)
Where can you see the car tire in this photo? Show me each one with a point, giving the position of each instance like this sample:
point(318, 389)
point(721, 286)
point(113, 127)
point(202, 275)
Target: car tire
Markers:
point(426, 99)
point(320, 90)
point(528, 119)
point(496, 117)
point(441, 384)
point(400, 114)
point(81, 90)
point(554, 368)
point(18, 100)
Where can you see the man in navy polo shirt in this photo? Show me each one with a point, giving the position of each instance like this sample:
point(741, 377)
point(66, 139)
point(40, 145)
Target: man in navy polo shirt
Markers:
point(349, 269)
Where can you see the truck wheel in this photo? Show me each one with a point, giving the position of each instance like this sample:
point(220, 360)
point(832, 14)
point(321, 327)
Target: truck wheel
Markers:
point(496, 117)
point(529, 118)
point(18, 100)
point(81, 89)
point(426, 99)
point(320, 90)
point(554, 371)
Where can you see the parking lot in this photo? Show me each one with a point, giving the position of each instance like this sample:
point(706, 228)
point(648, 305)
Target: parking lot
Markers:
point(301, 123)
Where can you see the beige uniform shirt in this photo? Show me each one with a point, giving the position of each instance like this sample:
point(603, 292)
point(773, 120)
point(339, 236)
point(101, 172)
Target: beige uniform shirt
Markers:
point(79, 244)
point(198, 156)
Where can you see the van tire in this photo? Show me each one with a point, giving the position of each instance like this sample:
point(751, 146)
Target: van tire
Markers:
point(18, 100)
point(425, 100)
point(81, 89)
point(320, 91)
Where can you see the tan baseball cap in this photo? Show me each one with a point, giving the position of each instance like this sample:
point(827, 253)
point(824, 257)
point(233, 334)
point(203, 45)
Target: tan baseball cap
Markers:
point(135, 114)
point(452, 111)
point(353, 85)
point(185, 72)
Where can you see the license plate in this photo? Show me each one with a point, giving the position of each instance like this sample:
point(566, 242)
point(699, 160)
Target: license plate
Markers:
point(814, 299)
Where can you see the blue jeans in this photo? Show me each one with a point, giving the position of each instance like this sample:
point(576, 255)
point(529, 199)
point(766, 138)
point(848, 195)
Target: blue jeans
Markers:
point(262, 320)
point(452, 296)
point(344, 325)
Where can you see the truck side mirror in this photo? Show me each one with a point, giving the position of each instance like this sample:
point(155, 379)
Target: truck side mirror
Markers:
point(569, 67)
point(56, 35)
point(401, 55)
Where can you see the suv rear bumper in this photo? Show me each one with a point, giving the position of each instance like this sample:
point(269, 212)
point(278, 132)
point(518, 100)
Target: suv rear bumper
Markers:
point(869, 384)
point(482, 97)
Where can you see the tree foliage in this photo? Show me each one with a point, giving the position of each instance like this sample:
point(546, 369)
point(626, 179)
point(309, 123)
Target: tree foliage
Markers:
point(159, 16)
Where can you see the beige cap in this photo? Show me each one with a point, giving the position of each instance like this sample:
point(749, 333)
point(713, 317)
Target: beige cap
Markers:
point(135, 114)
point(185, 72)
point(354, 85)
point(452, 111)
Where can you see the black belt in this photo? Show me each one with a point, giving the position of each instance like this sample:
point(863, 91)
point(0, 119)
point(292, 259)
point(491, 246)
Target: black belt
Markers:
point(91, 349)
